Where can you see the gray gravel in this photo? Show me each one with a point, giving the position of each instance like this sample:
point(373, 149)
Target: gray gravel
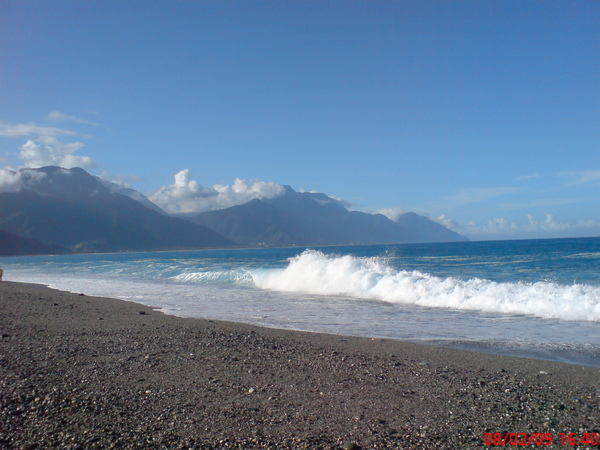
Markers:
point(79, 372)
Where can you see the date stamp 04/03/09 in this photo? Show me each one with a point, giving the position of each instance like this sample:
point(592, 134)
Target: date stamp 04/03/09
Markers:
point(523, 439)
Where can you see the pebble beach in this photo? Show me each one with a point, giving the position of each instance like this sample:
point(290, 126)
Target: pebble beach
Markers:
point(81, 372)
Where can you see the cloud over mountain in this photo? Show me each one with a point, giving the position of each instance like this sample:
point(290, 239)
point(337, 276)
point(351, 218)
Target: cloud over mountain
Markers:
point(54, 153)
point(72, 209)
point(392, 213)
point(186, 195)
point(47, 146)
point(15, 181)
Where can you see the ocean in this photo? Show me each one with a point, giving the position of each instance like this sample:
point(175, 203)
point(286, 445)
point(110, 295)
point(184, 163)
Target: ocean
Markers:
point(531, 298)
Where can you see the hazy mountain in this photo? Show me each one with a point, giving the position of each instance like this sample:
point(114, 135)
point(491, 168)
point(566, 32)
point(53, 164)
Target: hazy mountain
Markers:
point(50, 209)
point(309, 219)
point(419, 228)
point(11, 244)
point(132, 193)
point(74, 209)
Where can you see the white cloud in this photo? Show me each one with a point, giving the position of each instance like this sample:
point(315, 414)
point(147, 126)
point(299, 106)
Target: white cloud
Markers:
point(582, 177)
point(549, 224)
point(392, 213)
point(24, 130)
point(493, 227)
point(10, 181)
point(120, 180)
point(46, 146)
point(447, 222)
point(14, 181)
point(186, 195)
point(345, 203)
point(476, 195)
point(531, 227)
point(532, 176)
point(323, 199)
point(54, 153)
point(56, 116)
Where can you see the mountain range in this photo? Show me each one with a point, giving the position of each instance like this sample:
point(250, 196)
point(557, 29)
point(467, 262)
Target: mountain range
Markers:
point(73, 209)
point(58, 210)
point(305, 218)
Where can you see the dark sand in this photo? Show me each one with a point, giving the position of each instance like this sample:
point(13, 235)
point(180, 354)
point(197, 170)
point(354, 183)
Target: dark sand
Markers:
point(80, 372)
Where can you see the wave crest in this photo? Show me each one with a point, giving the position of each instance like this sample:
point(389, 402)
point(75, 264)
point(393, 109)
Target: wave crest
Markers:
point(236, 277)
point(314, 272)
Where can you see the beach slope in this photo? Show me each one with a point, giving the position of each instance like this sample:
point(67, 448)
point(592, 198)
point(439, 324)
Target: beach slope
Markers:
point(85, 372)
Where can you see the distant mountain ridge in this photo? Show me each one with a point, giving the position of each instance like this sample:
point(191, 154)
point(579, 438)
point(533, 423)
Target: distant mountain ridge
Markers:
point(56, 210)
point(73, 209)
point(303, 218)
point(12, 245)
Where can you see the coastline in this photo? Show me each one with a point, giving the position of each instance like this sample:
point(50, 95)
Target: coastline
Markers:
point(87, 372)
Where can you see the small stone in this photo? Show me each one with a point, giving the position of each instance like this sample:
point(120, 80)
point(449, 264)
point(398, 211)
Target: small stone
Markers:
point(350, 446)
point(251, 390)
point(29, 447)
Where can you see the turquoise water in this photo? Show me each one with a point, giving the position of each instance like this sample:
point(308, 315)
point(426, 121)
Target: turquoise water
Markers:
point(537, 298)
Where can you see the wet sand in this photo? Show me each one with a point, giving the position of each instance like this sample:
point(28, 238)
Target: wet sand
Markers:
point(81, 372)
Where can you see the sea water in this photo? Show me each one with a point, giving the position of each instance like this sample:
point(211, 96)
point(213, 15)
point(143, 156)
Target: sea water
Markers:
point(533, 298)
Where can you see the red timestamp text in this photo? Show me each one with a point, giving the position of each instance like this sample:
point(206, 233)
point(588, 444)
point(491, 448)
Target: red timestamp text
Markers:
point(523, 439)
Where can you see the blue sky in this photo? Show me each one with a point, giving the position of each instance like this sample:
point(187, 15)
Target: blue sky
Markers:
point(484, 115)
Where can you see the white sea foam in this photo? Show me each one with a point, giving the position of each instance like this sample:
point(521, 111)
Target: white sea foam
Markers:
point(315, 292)
point(314, 272)
point(236, 277)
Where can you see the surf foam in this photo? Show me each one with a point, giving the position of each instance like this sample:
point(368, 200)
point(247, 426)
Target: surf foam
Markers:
point(314, 272)
point(236, 277)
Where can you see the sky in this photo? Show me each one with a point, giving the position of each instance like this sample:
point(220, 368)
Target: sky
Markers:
point(482, 115)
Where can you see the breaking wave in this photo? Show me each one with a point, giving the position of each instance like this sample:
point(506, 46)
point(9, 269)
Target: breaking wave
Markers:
point(373, 278)
point(236, 277)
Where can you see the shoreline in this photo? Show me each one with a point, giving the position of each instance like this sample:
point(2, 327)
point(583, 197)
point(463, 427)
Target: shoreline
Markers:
point(577, 354)
point(93, 372)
